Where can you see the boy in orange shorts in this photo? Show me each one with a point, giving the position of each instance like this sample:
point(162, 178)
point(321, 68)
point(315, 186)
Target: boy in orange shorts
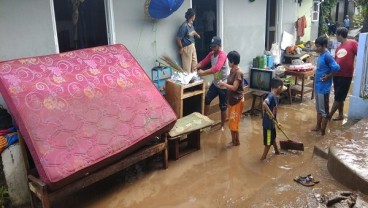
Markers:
point(235, 95)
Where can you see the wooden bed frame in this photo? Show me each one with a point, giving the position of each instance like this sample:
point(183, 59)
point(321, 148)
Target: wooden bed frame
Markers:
point(39, 191)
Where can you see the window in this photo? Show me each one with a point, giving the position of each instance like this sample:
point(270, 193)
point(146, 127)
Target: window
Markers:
point(315, 11)
point(81, 23)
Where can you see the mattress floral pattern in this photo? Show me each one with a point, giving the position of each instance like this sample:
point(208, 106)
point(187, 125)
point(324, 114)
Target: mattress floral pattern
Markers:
point(78, 108)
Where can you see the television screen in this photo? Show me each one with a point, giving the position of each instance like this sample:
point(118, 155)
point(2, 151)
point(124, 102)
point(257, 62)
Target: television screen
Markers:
point(260, 79)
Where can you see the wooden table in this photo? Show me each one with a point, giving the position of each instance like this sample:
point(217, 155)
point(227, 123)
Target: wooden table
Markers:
point(301, 89)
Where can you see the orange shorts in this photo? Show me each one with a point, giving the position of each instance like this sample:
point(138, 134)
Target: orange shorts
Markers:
point(235, 112)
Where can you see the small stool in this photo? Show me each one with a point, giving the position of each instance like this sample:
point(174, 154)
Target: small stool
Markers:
point(185, 136)
point(181, 145)
point(253, 109)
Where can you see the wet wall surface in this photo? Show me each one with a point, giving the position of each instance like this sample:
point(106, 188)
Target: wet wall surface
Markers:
point(221, 176)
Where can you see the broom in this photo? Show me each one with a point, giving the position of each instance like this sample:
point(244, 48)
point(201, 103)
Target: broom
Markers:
point(170, 63)
point(286, 144)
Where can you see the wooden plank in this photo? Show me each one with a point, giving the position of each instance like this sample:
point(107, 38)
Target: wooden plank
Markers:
point(173, 97)
point(39, 189)
point(112, 169)
point(191, 94)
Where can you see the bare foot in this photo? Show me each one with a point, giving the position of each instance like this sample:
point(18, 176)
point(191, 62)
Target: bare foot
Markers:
point(230, 144)
point(323, 132)
point(316, 129)
point(339, 118)
point(263, 158)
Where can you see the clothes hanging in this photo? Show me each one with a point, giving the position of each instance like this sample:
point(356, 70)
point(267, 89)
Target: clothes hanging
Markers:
point(301, 25)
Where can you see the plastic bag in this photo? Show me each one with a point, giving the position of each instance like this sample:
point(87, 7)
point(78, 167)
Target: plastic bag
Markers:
point(276, 53)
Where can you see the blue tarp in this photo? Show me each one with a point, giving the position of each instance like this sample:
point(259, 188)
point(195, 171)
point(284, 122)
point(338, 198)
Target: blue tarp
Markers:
point(159, 9)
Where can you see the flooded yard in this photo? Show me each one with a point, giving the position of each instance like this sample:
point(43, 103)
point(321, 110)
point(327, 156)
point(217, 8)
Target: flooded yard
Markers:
point(222, 176)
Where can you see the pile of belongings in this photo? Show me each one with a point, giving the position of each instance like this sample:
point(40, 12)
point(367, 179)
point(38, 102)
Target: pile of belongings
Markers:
point(179, 74)
point(339, 199)
point(293, 50)
point(8, 134)
point(303, 67)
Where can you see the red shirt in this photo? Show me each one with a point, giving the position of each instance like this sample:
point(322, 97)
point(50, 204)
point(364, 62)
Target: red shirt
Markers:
point(345, 55)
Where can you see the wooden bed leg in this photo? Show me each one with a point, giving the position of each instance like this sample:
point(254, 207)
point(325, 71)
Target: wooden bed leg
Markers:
point(45, 198)
point(165, 153)
point(34, 200)
point(38, 192)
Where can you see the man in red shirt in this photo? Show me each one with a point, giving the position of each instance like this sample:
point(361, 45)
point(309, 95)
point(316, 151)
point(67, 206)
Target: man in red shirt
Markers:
point(344, 56)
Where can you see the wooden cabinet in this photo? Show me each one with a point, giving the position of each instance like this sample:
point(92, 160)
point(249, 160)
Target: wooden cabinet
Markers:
point(185, 99)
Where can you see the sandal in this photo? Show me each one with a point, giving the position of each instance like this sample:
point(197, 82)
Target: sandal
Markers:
point(306, 181)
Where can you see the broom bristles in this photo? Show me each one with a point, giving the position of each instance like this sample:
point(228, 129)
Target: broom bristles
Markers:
point(171, 63)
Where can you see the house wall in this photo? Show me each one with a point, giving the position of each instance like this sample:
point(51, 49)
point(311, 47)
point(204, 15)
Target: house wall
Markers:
point(306, 9)
point(146, 39)
point(154, 38)
point(244, 29)
point(358, 107)
point(26, 29)
point(289, 16)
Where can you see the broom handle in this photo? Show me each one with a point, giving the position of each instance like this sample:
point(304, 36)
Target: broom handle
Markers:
point(283, 133)
point(277, 123)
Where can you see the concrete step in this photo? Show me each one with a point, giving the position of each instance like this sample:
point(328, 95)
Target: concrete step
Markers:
point(347, 156)
point(321, 148)
point(348, 159)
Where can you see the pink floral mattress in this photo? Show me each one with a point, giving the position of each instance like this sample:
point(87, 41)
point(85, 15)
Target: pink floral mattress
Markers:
point(79, 109)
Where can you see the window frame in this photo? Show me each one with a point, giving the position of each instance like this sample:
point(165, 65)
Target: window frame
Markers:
point(315, 11)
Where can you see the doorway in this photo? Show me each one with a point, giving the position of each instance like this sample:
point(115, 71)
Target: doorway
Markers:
point(205, 24)
point(271, 16)
point(80, 24)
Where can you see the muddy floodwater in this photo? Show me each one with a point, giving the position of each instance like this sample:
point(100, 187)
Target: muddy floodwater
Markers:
point(222, 176)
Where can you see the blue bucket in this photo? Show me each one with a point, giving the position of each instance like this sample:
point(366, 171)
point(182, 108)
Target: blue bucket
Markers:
point(270, 62)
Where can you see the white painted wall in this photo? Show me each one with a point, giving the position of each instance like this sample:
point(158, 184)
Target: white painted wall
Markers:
point(244, 29)
point(306, 9)
point(290, 8)
point(244, 22)
point(358, 107)
point(146, 39)
point(26, 29)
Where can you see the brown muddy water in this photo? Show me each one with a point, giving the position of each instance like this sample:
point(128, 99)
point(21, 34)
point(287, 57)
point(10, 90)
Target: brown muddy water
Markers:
point(219, 176)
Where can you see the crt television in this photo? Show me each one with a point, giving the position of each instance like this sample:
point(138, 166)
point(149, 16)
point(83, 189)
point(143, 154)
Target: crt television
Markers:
point(260, 79)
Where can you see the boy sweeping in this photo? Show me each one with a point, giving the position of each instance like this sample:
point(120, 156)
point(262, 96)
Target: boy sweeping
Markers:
point(270, 108)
